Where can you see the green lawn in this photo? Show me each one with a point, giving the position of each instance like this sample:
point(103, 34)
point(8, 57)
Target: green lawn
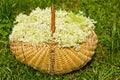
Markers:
point(105, 64)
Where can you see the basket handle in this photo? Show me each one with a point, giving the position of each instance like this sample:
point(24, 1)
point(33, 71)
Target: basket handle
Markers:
point(52, 18)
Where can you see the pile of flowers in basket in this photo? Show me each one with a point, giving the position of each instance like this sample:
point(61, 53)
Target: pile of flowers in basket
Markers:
point(70, 47)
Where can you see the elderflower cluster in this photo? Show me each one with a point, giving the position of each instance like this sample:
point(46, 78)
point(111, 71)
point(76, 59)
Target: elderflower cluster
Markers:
point(34, 28)
point(71, 29)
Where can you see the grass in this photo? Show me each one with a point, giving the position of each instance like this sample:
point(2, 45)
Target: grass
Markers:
point(105, 64)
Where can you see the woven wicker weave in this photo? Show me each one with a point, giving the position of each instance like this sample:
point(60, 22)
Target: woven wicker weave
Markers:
point(52, 59)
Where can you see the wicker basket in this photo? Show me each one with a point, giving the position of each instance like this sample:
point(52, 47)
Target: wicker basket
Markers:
point(51, 59)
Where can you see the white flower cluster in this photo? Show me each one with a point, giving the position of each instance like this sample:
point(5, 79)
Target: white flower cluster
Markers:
point(71, 29)
point(34, 28)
